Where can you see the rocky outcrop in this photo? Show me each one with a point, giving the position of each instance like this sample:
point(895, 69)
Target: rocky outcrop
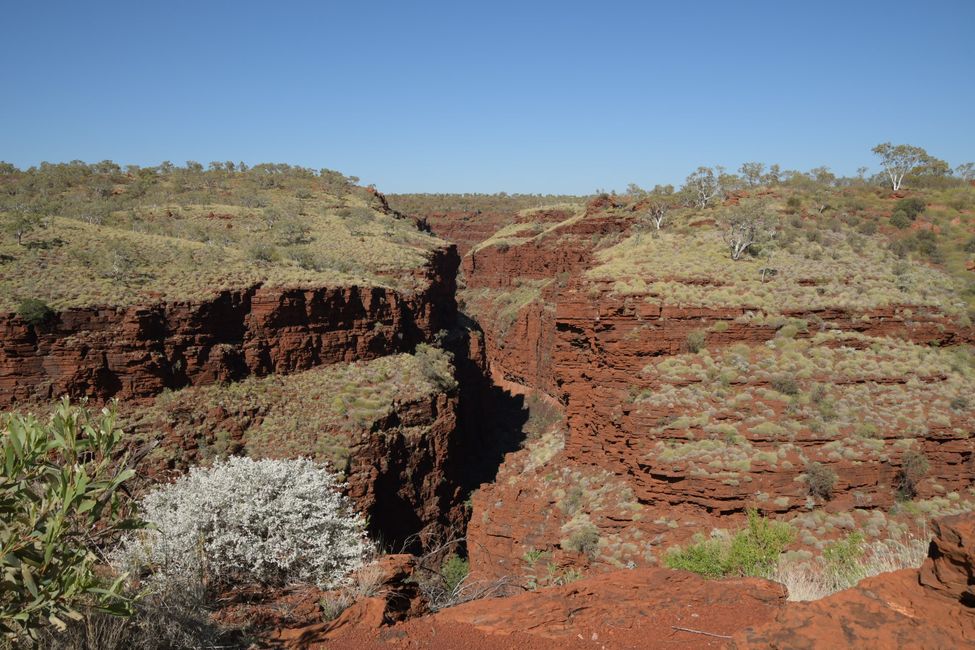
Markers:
point(136, 352)
point(394, 597)
point(650, 608)
point(405, 473)
point(655, 608)
point(642, 608)
point(950, 567)
point(293, 617)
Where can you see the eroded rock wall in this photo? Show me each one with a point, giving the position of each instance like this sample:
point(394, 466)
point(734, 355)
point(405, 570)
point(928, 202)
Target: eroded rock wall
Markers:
point(604, 342)
point(136, 352)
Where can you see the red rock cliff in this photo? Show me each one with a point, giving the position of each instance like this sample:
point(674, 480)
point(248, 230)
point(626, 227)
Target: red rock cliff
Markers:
point(137, 351)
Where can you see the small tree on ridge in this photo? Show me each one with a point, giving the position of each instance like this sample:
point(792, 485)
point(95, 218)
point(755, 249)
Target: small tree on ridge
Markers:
point(899, 160)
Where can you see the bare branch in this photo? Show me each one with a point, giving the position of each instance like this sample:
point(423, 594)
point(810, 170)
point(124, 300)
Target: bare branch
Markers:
point(687, 629)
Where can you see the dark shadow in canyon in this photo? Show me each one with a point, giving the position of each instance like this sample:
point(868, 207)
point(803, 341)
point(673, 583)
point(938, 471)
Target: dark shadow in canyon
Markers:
point(491, 421)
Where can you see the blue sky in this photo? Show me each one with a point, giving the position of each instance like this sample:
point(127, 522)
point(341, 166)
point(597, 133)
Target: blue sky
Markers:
point(488, 96)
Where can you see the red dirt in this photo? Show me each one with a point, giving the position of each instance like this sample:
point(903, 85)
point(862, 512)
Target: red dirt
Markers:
point(625, 609)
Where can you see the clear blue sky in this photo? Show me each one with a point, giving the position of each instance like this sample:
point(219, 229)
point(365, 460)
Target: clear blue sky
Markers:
point(488, 96)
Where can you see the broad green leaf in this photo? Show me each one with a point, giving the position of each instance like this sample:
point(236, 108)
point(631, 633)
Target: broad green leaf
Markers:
point(28, 579)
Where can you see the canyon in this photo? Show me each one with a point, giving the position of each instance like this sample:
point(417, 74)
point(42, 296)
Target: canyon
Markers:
point(583, 429)
point(581, 346)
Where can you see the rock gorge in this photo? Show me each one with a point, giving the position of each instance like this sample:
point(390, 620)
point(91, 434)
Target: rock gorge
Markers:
point(554, 430)
point(579, 344)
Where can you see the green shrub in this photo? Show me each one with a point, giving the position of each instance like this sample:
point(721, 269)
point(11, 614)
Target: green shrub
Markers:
point(793, 203)
point(910, 207)
point(437, 366)
point(969, 246)
point(867, 228)
point(914, 467)
point(696, 341)
point(753, 551)
point(787, 332)
point(900, 220)
point(292, 231)
point(443, 580)
point(926, 243)
point(866, 430)
point(820, 481)
point(307, 259)
point(706, 557)
point(584, 540)
point(900, 248)
point(818, 394)
point(454, 570)
point(262, 252)
point(843, 560)
point(35, 312)
point(532, 556)
point(785, 384)
point(59, 492)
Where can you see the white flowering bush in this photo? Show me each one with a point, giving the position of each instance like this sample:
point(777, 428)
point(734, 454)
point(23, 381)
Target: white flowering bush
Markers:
point(244, 520)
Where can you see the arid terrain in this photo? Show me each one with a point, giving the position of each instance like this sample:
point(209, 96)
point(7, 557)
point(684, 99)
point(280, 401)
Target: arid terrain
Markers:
point(651, 419)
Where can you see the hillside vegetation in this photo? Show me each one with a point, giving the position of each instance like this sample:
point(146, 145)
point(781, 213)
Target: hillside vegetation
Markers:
point(76, 234)
point(314, 414)
point(427, 203)
point(841, 249)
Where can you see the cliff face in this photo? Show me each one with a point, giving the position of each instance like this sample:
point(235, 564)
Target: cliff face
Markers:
point(519, 353)
point(136, 352)
point(521, 345)
point(563, 246)
point(467, 229)
point(604, 345)
point(403, 472)
point(399, 466)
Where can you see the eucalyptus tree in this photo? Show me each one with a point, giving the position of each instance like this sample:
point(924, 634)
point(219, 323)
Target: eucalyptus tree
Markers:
point(899, 160)
point(704, 185)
